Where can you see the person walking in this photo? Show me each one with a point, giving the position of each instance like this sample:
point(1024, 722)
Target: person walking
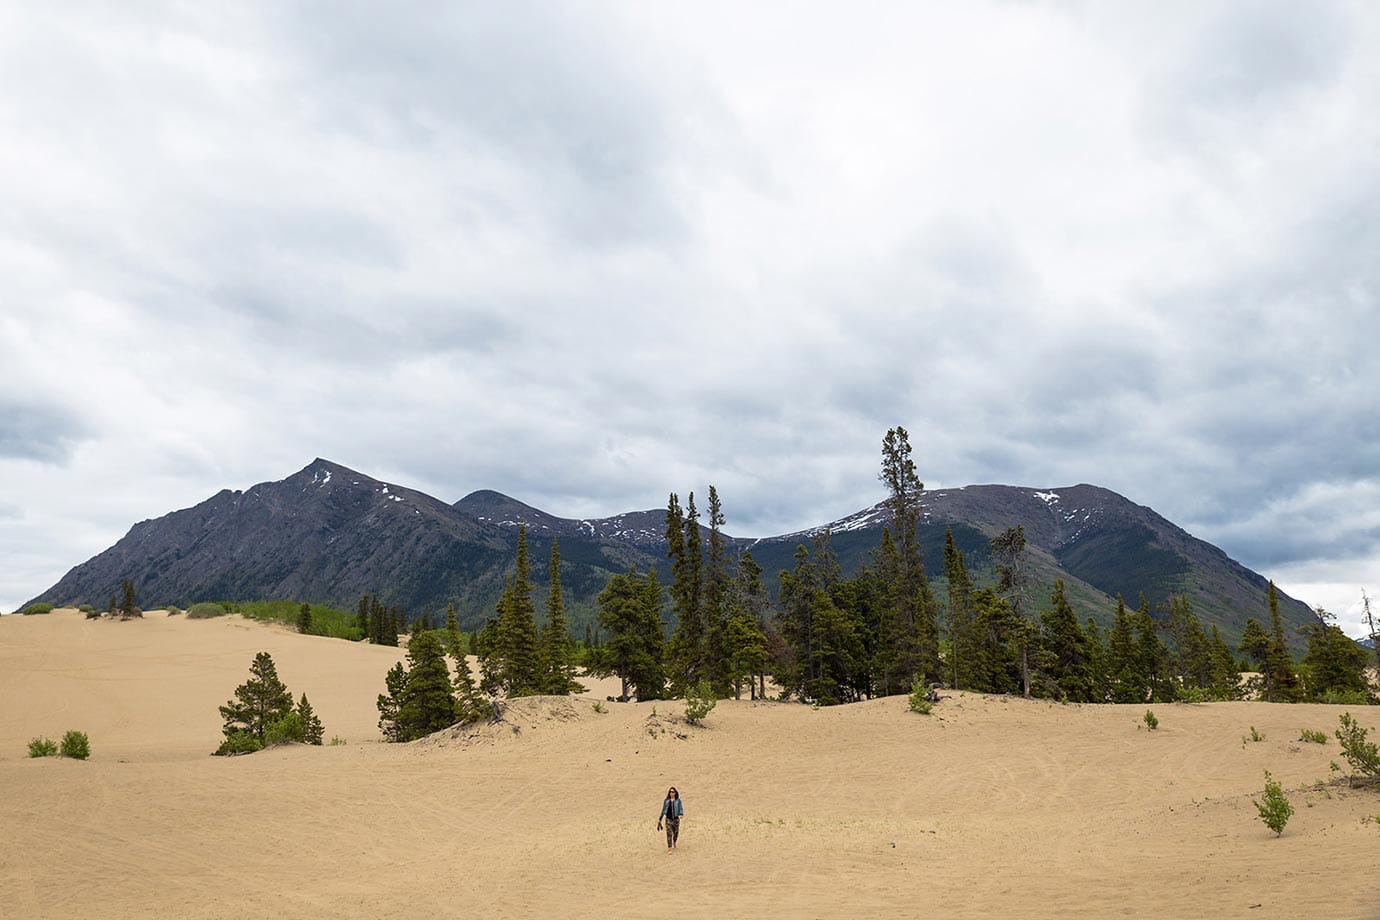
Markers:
point(671, 812)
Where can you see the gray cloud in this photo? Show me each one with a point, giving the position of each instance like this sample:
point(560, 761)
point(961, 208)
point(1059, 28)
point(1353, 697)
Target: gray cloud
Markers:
point(588, 260)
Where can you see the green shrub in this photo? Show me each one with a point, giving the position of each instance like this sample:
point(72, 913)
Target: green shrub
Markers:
point(37, 607)
point(337, 741)
point(173, 611)
point(204, 611)
point(1273, 806)
point(1194, 695)
point(238, 742)
point(1361, 754)
point(598, 706)
point(43, 747)
point(1151, 722)
point(86, 608)
point(699, 702)
point(288, 730)
point(1255, 735)
point(920, 697)
point(1307, 734)
point(76, 745)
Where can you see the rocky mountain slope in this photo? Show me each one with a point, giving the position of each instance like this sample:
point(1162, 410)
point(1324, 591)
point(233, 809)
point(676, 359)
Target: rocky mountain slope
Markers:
point(330, 534)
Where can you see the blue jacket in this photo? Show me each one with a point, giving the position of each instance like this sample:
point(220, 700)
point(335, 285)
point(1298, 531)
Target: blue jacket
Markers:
point(673, 805)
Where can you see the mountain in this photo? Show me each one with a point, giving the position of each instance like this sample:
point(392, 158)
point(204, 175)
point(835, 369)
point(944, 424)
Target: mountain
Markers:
point(330, 534)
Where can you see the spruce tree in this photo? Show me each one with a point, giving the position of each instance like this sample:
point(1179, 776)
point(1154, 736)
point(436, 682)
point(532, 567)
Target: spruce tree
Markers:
point(1284, 679)
point(390, 703)
point(313, 731)
point(630, 615)
point(688, 634)
point(557, 649)
point(304, 619)
point(962, 644)
point(1153, 656)
point(516, 647)
point(796, 622)
point(259, 701)
point(1335, 664)
point(1065, 647)
point(455, 646)
point(1099, 680)
point(1128, 683)
point(750, 600)
point(428, 702)
point(1009, 561)
point(916, 632)
point(716, 600)
point(1225, 683)
point(362, 617)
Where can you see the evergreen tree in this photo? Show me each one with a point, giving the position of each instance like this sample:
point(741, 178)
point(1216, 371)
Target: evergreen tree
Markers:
point(688, 635)
point(259, 701)
point(745, 652)
point(557, 648)
point(1127, 677)
point(1255, 645)
point(304, 619)
point(1065, 647)
point(962, 641)
point(750, 600)
point(715, 600)
point(1099, 677)
point(1335, 664)
point(630, 613)
point(362, 617)
point(1154, 657)
point(516, 640)
point(1002, 637)
point(428, 702)
point(485, 640)
point(1284, 680)
point(1008, 558)
point(391, 702)
point(796, 621)
point(127, 596)
point(313, 731)
point(1226, 676)
point(455, 645)
point(915, 631)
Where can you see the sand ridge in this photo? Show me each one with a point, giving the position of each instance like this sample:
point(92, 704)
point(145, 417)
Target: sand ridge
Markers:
point(993, 805)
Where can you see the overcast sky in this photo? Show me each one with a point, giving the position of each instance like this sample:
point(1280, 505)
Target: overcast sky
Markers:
point(587, 254)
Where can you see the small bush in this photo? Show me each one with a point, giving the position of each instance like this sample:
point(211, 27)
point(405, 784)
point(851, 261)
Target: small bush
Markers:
point(920, 698)
point(1307, 734)
point(93, 614)
point(1273, 806)
point(1151, 722)
point(205, 611)
point(699, 702)
point(86, 608)
point(76, 745)
point(1346, 698)
point(36, 608)
point(173, 611)
point(288, 730)
point(1361, 754)
point(239, 743)
point(43, 747)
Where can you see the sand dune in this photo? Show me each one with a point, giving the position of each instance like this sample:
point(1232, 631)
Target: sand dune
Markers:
point(992, 806)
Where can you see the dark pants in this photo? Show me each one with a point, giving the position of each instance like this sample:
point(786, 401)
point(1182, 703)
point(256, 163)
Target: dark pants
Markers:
point(672, 831)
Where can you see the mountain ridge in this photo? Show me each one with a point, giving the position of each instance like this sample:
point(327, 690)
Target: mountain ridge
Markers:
point(329, 534)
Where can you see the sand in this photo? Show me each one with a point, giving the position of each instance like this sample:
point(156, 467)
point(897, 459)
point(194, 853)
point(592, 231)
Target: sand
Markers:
point(990, 807)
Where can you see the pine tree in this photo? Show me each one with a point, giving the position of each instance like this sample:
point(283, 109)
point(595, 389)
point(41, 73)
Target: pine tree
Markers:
point(750, 600)
point(127, 596)
point(1099, 679)
point(557, 649)
point(796, 622)
point(428, 702)
point(1335, 664)
point(455, 646)
point(1002, 637)
point(314, 731)
point(259, 701)
point(1255, 645)
point(391, 702)
point(516, 647)
point(362, 617)
point(1226, 676)
point(1153, 656)
point(304, 619)
point(688, 635)
point(1128, 682)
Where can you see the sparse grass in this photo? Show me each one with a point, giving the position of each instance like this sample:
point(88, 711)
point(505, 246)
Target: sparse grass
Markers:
point(1255, 735)
point(1312, 737)
point(337, 741)
point(43, 747)
point(325, 621)
point(599, 706)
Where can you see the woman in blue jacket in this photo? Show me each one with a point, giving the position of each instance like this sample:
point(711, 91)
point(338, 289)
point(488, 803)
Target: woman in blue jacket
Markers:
point(671, 813)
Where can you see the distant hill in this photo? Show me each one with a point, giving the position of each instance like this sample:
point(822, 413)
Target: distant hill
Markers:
point(330, 534)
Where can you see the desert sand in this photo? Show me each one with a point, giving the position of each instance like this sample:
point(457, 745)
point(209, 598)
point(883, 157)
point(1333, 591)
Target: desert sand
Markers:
point(990, 807)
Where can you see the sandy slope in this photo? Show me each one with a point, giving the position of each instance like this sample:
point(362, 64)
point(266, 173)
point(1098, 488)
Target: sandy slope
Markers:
point(991, 807)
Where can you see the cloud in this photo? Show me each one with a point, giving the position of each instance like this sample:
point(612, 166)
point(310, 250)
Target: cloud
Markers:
point(588, 260)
